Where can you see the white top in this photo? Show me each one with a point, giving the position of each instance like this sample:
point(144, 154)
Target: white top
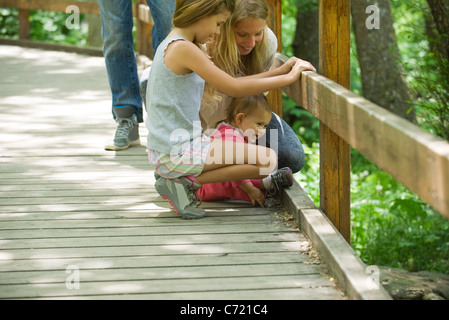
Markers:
point(173, 104)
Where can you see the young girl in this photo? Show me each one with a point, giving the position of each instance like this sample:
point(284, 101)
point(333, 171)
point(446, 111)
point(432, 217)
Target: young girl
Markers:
point(181, 155)
point(246, 122)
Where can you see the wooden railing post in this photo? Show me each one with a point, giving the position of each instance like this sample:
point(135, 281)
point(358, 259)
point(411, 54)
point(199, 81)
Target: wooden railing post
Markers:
point(144, 25)
point(24, 24)
point(275, 24)
point(335, 157)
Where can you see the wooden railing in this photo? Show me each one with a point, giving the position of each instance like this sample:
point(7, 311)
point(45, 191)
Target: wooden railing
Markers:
point(24, 7)
point(141, 12)
point(413, 157)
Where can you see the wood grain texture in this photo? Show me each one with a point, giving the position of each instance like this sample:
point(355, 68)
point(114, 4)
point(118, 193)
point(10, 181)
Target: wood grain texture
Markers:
point(335, 156)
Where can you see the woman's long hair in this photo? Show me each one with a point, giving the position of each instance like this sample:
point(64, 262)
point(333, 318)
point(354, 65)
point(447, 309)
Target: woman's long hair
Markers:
point(224, 52)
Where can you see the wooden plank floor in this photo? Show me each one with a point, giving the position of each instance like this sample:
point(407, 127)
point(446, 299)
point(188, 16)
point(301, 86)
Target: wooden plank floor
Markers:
point(72, 214)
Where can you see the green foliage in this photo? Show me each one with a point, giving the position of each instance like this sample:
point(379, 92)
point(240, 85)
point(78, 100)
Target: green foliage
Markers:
point(47, 26)
point(301, 121)
point(308, 177)
point(356, 82)
point(51, 27)
point(433, 99)
point(289, 8)
point(427, 73)
point(391, 225)
point(9, 28)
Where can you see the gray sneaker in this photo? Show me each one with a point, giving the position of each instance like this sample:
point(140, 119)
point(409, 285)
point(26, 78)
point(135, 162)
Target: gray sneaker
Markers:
point(127, 133)
point(181, 193)
point(280, 178)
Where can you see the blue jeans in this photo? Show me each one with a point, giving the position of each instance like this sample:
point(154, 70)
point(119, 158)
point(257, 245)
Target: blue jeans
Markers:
point(288, 147)
point(117, 25)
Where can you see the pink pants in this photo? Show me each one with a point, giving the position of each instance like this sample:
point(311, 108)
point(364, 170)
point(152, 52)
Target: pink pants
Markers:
point(222, 191)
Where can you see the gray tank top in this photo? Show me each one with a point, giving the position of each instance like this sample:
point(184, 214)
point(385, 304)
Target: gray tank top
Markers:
point(172, 104)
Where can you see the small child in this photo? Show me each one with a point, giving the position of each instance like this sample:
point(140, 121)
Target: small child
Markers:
point(246, 122)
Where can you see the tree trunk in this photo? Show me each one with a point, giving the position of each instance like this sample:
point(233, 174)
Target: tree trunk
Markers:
point(440, 13)
point(305, 44)
point(436, 90)
point(379, 59)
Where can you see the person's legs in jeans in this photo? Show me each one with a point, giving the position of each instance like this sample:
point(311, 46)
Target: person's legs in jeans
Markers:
point(117, 25)
point(162, 13)
point(289, 149)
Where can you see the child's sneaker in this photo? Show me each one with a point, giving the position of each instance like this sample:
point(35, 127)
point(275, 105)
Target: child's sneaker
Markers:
point(280, 178)
point(181, 193)
point(127, 133)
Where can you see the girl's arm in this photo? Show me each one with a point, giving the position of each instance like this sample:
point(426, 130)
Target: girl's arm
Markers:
point(283, 69)
point(187, 56)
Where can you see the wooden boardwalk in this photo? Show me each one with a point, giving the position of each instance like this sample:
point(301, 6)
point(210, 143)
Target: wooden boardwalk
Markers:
point(78, 222)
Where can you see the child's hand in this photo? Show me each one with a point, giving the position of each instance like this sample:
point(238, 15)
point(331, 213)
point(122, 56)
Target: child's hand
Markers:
point(256, 196)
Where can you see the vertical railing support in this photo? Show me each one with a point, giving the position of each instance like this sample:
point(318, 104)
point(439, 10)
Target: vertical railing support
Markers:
point(275, 24)
point(335, 156)
point(24, 24)
point(144, 25)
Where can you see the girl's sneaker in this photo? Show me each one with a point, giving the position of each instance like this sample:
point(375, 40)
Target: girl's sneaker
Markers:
point(181, 193)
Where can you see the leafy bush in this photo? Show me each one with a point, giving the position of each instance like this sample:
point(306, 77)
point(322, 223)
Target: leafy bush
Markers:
point(51, 26)
point(9, 28)
point(47, 26)
point(392, 226)
point(427, 72)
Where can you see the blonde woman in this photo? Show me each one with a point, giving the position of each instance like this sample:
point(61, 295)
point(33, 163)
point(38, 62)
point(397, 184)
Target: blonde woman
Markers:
point(246, 46)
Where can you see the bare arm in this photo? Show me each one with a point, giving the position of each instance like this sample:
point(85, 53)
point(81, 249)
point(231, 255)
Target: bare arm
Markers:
point(190, 57)
point(284, 68)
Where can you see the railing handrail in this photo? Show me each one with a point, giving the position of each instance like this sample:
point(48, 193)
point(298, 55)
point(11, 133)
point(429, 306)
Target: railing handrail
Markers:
point(415, 158)
point(51, 5)
point(140, 11)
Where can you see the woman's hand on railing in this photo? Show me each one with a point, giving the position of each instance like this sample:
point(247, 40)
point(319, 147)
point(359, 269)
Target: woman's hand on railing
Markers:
point(298, 66)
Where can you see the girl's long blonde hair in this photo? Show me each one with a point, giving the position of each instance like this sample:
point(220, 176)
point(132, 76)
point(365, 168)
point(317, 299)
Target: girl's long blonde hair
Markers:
point(224, 52)
point(188, 12)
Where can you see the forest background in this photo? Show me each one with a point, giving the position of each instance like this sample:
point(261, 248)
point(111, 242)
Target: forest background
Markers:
point(401, 64)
